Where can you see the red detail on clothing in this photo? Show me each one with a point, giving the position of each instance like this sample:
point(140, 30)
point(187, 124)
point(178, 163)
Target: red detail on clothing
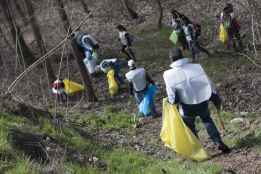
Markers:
point(236, 24)
point(58, 85)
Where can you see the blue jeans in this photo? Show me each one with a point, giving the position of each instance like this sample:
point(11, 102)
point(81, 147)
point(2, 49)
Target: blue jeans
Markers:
point(139, 97)
point(201, 110)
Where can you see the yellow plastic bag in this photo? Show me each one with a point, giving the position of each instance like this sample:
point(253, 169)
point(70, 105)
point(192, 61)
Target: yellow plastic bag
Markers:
point(71, 87)
point(113, 85)
point(223, 35)
point(177, 136)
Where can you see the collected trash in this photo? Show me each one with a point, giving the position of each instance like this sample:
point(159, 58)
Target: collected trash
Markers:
point(90, 63)
point(237, 120)
point(177, 136)
point(223, 35)
point(147, 102)
point(71, 87)
point(113, 85)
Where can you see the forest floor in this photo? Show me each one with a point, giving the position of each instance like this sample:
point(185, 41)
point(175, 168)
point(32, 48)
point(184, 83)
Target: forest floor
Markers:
point(100, 137)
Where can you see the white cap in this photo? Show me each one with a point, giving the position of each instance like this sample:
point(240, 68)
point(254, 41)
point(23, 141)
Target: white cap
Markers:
point(131, 63)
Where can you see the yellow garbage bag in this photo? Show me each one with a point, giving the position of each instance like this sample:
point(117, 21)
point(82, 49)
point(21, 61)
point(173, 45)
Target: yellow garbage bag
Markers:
point(71, 87)
point(177, 136)
point(223, 35)
point(113, 85)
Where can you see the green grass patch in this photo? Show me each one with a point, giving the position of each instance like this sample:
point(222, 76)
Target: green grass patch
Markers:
point(153, 47)
point(6, 123)
point(77, 169)
point(111, 119)
point(132, 162)
point(23, 166)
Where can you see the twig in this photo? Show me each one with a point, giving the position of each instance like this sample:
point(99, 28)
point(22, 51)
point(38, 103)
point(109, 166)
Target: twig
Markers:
point(250, 59)
point(44, 57)
point(253, 35)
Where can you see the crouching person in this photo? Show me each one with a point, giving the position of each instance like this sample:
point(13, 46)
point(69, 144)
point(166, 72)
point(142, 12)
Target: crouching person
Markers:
point(88, 45)
point(140, 84)
point(114, 64)
point(59, 91)
point(188, 85)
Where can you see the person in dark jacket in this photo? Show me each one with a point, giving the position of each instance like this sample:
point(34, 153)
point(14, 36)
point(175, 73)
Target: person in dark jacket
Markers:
point(89, 46)
point(228, 19)
point(192, 33)
point(126, 41)
point(176, 24)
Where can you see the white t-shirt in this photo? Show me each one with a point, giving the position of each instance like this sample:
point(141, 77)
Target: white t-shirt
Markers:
point(122, 36)
point(138, 79)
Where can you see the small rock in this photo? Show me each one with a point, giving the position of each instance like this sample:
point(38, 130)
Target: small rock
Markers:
point(237, 120)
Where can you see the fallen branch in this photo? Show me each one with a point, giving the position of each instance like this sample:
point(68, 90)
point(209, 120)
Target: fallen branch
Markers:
point(250, 59)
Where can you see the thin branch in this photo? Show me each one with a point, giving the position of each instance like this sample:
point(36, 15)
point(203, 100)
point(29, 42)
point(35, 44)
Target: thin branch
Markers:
point(44, 57)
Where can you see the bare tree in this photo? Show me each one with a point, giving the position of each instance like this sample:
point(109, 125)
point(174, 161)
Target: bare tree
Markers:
point(160, 13)
point(20, 11)
point(2, 35)
point(77, 53)
point(38, 37)
point(22, 49)
point(133, 14)
point(85, 6)
point(1, 61)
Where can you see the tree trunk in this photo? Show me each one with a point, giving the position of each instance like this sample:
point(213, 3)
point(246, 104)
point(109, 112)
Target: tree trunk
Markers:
point(38, 37)
point(22, 49)
point(5, 39)
point(132, 13)
point(20, 11)
point(1, 61)
point(85, 6)
point(77, 53)
point(160, 13)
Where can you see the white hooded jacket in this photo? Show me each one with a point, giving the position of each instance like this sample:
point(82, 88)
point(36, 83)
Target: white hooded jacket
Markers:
point(188, 82)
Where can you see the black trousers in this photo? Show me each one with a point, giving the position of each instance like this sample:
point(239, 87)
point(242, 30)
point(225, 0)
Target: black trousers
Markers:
point(128, 51)
point(201, 110)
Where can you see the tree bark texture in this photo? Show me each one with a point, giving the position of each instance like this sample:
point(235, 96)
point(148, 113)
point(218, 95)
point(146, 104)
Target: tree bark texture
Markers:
point(77, 54)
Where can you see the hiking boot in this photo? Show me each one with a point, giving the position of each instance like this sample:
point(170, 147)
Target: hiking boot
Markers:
point(224, 148)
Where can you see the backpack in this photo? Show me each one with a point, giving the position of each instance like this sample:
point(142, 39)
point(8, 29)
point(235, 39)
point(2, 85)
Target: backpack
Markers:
point(197, 29)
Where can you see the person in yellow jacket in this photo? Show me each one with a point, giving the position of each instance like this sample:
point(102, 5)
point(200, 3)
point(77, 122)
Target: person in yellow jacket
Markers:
point(188, 85)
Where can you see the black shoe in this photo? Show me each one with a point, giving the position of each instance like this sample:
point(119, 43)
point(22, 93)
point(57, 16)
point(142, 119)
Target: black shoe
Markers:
point(224, 148)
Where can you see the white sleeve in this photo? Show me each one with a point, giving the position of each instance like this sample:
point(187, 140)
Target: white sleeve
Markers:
point(213, 86)
point(170, 92)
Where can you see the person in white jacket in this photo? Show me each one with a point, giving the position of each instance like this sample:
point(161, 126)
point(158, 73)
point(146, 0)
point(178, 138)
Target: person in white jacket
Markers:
point(188, 85)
